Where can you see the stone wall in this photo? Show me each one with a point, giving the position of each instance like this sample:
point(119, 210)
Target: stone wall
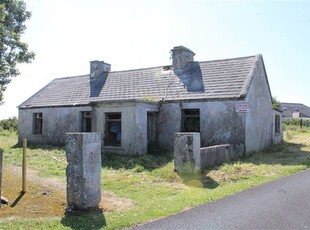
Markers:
point(57, 121)
point(218, 154)
point(219, 123)
point(188, 154)
point(133, 125)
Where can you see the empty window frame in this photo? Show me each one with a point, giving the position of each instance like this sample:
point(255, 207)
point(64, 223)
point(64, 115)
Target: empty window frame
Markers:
point(37, 123)
point(277, 123)
point(113, 129)
point(86, 121)
point(190, 120)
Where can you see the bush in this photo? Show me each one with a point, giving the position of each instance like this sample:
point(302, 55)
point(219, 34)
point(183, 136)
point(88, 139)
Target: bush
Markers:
point(9, 124)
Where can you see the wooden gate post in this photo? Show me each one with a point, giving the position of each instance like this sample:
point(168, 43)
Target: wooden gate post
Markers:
point(1, 154)
point(24, 165)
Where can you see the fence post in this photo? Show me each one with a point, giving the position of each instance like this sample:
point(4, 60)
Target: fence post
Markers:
point(24, 165)
point(1, 154)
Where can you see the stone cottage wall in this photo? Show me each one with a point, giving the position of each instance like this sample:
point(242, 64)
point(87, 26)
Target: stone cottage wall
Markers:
point(259, 118)
point(56, 122)
point(219, 123)
point(133, 125)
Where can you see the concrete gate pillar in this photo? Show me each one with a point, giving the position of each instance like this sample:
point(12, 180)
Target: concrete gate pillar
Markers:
point(187, 151)
point(83, 152)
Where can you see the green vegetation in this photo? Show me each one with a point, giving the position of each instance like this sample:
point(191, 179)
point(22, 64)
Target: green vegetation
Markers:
point(149, 99)
point(153, 186)
point(13, 15)
point(295, 123)
point(9, 124)
point(276, 104)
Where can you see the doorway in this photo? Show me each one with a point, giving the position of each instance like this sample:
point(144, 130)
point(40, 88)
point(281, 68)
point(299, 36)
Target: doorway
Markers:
point(152, 123)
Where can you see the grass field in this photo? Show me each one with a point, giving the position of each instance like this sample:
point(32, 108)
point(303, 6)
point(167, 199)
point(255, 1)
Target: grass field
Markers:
point(151, 183)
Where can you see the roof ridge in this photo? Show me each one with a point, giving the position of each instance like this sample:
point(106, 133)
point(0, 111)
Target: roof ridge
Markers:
point(160, 66)
point(228, 59)
point(292, 103)
point(84, 75)
point(129, 70)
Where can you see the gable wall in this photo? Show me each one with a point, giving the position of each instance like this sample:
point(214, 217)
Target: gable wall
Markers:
point(259, 119)
point(57, 121)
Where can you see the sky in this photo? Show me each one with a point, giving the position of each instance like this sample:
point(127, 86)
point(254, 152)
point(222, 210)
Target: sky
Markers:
point(67, 34)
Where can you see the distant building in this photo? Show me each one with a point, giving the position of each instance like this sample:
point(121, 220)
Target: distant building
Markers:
point(227, 101)
point(295, 111)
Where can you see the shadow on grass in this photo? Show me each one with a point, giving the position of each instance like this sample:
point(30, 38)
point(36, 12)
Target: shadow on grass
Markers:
point(17, 199)
point(198, 179)
point(87, 219)
point(284, 154)
point(43, 147)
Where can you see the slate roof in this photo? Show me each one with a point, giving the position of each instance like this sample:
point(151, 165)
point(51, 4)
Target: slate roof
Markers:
point(290, 108)
point(221, 79)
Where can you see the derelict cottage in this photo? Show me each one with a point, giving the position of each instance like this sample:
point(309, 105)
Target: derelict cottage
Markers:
point(138, 111)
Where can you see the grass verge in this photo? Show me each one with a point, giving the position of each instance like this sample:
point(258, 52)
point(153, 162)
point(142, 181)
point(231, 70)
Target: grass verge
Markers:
point(152, 185)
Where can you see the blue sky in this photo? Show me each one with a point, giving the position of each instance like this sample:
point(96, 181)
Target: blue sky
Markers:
point(67, 34)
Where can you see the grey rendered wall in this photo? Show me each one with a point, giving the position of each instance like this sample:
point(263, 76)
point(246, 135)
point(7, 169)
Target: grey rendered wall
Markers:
point(218, 154)
point(128, 124)
point(134, 125)
point(169, 121)
point(141, 125)
point(259, 119)
point(56, 123)
point(219, 123)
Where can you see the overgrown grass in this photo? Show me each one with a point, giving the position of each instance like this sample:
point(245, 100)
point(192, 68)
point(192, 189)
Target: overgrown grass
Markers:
point(47, 160)
point(153, 186)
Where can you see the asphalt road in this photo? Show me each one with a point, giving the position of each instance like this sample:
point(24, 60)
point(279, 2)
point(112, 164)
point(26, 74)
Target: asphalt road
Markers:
point(281, 204)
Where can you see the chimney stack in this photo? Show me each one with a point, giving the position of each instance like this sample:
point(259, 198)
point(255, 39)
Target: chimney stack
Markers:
point(181, 56)
point(97, 68)
point(186, 69)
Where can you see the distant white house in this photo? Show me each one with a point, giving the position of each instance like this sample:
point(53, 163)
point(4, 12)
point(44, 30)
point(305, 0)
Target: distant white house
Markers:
point(295, 111)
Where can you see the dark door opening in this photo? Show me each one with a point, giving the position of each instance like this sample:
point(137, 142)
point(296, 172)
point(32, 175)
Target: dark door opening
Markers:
point(152, 122)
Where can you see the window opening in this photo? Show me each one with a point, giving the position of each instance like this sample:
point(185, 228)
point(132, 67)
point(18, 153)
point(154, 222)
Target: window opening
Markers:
point(277, 123)
point(38, 123)
point(190, 120)
point(113, 129)
point(86, 121)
